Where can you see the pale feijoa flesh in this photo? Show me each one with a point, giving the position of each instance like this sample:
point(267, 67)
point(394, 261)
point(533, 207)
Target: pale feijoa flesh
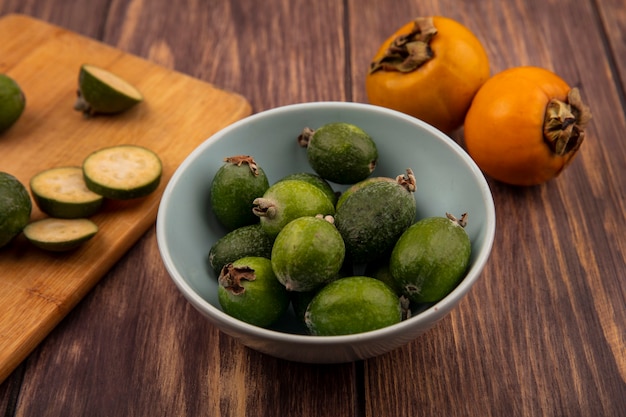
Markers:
point(250, 240)
point(430, 258)
point(12, 102)
point(340, 152)
point(373, 216)
point(102, 92)
point(122, 172)
point(249, 291)
point(15, 207)
point(59, 235)
point(287, 200)
point(307, 253)
point(61, 192)
point(235, 185)
point(352, 305)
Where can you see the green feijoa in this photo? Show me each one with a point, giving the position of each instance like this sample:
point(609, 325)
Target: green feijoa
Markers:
point(352, 305)
point(374, 216)
point(12, 102)
point(244, 241)
point(249, 291)
point(380, 270)
point(234, 187)
point(300, 301)
point(15, 207)
point(358, 186)
point(316, 180)
point(431, 257)
point(340, 152)
point(307, 253)
point(287, 200)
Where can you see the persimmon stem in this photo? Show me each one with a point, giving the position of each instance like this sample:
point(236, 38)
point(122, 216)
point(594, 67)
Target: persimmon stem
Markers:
point(410, 51)
point(565, 122)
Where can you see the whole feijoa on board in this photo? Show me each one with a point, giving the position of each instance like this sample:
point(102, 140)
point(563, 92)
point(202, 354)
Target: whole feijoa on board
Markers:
point(249, 291)
point(287, 200)
point(233, 189)
point(352, 305)
point(15, 207)
point(250, 240)
point(12, 102)
point(374, 216)
point(340, 152)
point(307, 253)
point(431, 257)
point(316, 180)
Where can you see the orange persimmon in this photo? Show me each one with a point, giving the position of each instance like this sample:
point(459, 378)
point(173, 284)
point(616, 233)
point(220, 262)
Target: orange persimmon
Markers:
point(525, 125)
point(429, 68)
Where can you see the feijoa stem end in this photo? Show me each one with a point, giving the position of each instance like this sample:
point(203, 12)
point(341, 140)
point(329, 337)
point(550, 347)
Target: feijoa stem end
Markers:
point(231, 276)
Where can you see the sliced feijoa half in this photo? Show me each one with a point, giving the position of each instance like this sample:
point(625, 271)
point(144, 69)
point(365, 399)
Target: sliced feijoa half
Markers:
point(102, 92)
point(59, 235)
point(61, 192)
point(122, 172)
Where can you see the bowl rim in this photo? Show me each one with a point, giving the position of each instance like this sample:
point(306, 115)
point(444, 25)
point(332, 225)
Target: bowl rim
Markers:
point(429, 315)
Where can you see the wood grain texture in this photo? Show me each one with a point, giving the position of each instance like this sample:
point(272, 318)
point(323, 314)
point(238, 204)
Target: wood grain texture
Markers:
point(541, 334)
point(37, 289)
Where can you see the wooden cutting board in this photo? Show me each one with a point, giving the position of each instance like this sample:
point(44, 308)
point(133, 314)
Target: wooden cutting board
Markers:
point(37, 289)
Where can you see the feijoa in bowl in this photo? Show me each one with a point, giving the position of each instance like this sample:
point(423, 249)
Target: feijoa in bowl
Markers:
point(447, 180)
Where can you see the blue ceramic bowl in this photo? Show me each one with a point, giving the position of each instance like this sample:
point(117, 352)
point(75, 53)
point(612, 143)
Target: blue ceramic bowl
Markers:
point(447, 181)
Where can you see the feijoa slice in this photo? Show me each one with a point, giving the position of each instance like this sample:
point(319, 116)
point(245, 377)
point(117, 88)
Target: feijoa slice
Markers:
point(12, 102)
point(236, 184)
point(102, 92)
point(430, 258)
point(373, 216)
point(61, 192)
point(15, 207)
point(352, 305)
point(340, 152)
point(307, 253)
point(287, 200)
point(249, 291)
point(122, 172)
point(250, 240)
point(316, 180)
point(59, 235)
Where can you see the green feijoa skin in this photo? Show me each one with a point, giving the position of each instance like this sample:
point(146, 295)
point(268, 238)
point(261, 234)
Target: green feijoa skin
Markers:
point(352, 305)
point(233, 189)
point(374, 216)
point(244, 241)
point(340, 152)
point(316, 180)
point(15, 207)
point(12, 102)
point(380, 270)
point(431, 257)
point(287, 200)
point(307, 253)
point(358, 186)
point(102, 92)
point(249, 291)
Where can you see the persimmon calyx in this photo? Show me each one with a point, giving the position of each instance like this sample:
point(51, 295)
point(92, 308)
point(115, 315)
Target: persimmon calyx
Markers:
point(231, 276)
point(410, 51)
point(565, 122)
